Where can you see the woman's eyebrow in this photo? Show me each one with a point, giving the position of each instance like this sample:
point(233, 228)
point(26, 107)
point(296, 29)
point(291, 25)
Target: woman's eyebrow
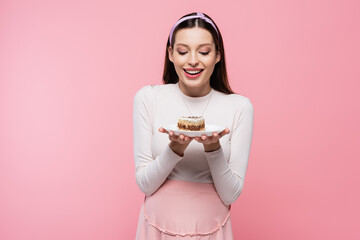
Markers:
point(182, 44)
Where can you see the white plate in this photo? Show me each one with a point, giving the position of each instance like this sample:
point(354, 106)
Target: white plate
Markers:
point(209, 130)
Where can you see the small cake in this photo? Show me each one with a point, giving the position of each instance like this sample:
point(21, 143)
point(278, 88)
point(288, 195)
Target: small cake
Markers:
point(191, 123)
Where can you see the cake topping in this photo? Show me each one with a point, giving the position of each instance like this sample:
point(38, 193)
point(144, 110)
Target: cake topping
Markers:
point(191, 123)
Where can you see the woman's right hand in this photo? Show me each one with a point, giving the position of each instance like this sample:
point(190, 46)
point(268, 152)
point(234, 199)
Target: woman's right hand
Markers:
point(178, 143)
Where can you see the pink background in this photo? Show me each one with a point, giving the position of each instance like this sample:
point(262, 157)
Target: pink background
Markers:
point(68, 74)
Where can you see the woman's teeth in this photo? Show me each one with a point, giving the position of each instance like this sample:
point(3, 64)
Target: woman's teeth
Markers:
point(193, 72)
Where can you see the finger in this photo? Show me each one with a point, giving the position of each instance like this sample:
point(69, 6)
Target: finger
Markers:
point(182, 139)
point(204, 139)
point(173, 137)
point(161, 129)
point(224, 132)
point(215, 137)
point(179, 138)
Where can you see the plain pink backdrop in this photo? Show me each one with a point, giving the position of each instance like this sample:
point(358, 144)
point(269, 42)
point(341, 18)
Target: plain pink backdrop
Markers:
point(68, 74)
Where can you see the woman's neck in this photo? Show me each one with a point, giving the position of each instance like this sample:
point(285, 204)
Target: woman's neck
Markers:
point(195, 91)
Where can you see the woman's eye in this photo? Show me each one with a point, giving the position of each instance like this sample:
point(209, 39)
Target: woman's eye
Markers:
point(182, 53)
point(204, 53)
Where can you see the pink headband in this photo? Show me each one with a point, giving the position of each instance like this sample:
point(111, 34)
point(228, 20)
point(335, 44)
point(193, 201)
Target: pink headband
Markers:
point(198, 15)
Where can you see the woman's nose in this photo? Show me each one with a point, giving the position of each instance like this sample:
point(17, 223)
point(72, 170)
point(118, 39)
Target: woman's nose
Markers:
point(193, 60)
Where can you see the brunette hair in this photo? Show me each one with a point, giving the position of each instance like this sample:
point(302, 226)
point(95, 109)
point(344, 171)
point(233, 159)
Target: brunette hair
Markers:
point(218, 79)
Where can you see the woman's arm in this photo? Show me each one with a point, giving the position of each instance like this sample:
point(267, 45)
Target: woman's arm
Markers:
point(150, 172)
point(229, 177)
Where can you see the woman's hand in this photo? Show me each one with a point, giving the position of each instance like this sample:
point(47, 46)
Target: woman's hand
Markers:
point(178, 143)
point(212, 143)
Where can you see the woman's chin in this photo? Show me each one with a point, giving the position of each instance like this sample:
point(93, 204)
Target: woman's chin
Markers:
point(193, 83)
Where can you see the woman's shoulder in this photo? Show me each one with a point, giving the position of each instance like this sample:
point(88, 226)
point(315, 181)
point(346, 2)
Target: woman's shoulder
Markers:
point(238, 104)
point(153, 90)
point(236, 100)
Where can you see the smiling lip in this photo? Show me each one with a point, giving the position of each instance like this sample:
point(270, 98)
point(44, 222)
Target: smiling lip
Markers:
point(193, 75)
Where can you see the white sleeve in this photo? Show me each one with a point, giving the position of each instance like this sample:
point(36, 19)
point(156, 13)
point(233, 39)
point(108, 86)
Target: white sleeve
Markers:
point(150, 172)
point(229, 177)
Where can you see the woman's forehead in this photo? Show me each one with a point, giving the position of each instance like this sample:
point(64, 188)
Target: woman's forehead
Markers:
point(193, 37)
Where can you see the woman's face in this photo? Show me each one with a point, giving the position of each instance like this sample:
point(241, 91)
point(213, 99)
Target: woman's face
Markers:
point(194, 57)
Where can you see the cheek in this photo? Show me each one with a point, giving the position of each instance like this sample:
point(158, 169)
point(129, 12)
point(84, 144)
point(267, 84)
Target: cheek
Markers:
point(210, 63)
point(178, 63)
point(208, 60)
point(178, 67)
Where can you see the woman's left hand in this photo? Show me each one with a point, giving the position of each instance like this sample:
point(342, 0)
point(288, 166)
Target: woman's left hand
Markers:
point(211, 143)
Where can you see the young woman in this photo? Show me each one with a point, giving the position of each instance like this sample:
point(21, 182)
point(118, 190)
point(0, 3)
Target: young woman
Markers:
point(190, 182)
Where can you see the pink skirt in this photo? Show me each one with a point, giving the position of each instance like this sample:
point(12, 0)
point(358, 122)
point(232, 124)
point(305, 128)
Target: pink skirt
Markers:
point(184, 210)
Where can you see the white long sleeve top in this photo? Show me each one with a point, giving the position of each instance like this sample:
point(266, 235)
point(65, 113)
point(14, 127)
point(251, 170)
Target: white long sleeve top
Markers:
point(159, 105)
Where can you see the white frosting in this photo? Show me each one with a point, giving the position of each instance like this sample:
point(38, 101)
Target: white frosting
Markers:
point(192, 119)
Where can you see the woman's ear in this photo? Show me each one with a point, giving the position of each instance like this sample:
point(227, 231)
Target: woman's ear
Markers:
point(170, 51)
point(218, 56)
